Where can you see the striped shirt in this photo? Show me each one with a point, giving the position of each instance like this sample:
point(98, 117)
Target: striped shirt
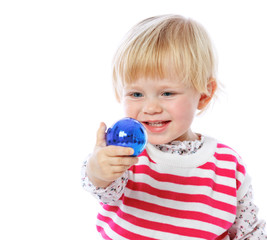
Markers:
point(169, 196)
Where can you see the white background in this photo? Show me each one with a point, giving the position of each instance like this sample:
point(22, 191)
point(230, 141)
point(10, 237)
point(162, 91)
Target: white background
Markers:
point(55, 74)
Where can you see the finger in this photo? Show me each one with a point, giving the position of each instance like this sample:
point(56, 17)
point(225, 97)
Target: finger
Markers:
point(119, 169)
point(113, 151)
point(124, 161)
point(101, 135)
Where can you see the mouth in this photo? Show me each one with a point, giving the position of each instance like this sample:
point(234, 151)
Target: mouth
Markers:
point(156, 126)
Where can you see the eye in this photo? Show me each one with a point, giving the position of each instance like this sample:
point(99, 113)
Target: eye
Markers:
point(167, 94)
point(137, 94)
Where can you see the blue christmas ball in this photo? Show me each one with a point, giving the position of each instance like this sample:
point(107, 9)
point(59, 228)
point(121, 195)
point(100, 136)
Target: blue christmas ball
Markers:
point(128, 132)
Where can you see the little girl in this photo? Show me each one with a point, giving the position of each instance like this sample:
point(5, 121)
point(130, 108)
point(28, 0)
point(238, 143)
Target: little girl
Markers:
point(184, 185)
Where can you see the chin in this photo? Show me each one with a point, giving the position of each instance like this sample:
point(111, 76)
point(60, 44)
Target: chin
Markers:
point(155, 141)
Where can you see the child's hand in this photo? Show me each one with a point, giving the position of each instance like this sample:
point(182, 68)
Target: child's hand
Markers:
point(108, 163)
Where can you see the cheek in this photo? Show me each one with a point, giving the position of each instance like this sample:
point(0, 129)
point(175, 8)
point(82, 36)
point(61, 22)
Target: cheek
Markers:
point(130, 109)
point(183, 110)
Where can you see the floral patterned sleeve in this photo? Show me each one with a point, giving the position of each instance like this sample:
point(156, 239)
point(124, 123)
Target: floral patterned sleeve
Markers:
point(105, 195)
point(247, 225)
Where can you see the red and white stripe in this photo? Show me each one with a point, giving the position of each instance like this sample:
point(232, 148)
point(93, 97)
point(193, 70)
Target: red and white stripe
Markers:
point(162, 201)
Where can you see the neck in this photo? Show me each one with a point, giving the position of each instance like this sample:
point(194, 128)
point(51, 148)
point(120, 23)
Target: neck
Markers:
point(188, 136)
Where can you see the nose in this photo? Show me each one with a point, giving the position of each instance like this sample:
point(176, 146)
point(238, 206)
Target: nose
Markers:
point(152, 106)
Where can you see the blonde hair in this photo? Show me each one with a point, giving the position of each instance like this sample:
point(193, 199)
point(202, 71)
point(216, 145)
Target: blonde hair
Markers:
point(167, 46)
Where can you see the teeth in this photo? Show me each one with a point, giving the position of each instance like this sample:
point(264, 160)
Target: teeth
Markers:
point(156, 124)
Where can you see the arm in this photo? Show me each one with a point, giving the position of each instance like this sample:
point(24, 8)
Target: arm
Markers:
point(106, 195)
point(106, 169)
point(247, 225)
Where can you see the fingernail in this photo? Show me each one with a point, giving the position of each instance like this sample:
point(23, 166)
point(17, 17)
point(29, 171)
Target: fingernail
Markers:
point(130, 151)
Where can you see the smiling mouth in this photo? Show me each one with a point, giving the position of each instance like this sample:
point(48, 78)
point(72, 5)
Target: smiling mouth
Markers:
point(156, 124)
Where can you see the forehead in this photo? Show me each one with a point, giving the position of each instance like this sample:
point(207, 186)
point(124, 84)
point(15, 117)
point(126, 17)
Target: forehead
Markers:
point(154, 83)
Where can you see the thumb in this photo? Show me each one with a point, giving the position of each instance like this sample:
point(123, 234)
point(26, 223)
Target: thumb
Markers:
point(101, 135)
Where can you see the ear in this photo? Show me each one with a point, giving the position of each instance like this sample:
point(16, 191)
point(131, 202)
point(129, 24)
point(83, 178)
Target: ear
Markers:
point(206, 97)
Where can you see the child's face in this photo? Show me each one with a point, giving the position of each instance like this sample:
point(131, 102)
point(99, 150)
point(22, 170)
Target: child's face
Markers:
point(165, 107)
